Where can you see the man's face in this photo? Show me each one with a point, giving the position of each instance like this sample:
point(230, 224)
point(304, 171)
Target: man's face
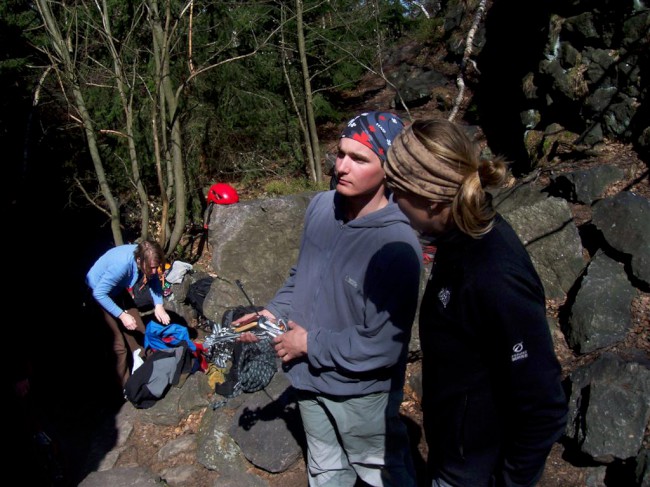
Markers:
point(358, 169)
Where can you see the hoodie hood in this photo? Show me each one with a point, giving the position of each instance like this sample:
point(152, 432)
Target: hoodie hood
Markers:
point(388, 215)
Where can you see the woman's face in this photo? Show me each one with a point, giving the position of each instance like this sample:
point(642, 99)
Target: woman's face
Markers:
point(149, 268)
point(152, 269)
point(426, 217)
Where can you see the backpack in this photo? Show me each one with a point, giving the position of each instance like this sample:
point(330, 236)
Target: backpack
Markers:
point(162, 369)
point(197, 292)
point(141, 294)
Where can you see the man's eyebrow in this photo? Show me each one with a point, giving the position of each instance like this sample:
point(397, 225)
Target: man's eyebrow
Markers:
point(358, 155)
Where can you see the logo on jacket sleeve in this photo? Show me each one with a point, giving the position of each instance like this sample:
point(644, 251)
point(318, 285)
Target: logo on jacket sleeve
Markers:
point(351, 282)
point(519, 352)
point(444, 295)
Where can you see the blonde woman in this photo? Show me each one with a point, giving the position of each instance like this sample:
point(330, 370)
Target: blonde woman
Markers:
point(492, 399)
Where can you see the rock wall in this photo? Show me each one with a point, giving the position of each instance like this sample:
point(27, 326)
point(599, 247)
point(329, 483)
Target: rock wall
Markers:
point(607, 391)
point(546, 80)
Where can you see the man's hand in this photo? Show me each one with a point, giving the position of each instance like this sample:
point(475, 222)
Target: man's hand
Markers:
point(248, 317)
point(291, 344)
point(247, 336)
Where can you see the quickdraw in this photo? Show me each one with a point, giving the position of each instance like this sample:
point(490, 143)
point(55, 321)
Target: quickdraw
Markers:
point(219, 344)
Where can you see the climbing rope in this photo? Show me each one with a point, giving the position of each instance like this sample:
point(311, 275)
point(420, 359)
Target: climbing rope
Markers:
point(256, 365)
point(253, 367)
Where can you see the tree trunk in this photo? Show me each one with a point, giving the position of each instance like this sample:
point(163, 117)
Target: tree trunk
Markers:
point(60, 46)
point(127, 106)
point(311, 166)
point(309, 106)
point(161, 45)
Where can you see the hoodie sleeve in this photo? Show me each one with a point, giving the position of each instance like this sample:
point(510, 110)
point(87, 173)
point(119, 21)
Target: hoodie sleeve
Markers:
point(113, 271)
point(280, 305)
point(390, 294)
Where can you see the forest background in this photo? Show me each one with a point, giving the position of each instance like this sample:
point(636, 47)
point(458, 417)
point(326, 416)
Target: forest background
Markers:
point(133, 108)
point(121, 113)
point(117, 116)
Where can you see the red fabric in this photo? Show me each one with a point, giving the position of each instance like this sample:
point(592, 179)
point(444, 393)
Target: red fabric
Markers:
point(200, 355)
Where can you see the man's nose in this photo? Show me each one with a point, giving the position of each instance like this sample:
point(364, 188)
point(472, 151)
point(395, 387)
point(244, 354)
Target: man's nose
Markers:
point(342, 164)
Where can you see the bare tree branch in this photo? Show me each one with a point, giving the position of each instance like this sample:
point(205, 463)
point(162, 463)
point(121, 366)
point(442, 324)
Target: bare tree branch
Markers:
point(190, 55)
point(90, 200)
point(63, 47)
point(460, 81)
point(421, 7)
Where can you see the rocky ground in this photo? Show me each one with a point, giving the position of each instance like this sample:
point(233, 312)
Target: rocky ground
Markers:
point(562, 470)
point(76, 430)
point(78, 421)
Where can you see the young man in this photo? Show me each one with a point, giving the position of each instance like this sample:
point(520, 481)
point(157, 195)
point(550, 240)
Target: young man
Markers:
point(350, 301)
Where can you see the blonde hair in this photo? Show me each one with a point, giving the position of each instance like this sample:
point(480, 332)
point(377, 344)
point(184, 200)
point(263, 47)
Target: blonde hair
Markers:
point(449, 144)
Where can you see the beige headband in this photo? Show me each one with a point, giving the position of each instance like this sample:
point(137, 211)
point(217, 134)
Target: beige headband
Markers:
point(411, 167)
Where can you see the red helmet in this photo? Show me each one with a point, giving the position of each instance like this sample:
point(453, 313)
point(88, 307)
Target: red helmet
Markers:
point(222, 194)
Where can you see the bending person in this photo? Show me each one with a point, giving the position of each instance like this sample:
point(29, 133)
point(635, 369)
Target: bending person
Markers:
point(110, 279)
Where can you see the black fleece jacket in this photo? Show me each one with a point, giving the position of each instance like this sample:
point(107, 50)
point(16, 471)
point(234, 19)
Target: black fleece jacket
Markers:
point(493, 401)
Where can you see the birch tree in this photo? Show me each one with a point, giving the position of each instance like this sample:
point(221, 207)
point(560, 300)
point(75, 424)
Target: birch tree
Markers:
point(148, 66)
point(62, 49)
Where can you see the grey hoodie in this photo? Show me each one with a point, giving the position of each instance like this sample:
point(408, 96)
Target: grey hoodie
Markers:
point(355, 290)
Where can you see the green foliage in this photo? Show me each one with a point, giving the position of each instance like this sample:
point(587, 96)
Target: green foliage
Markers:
point(17, 20)
point(239, 123)
point(324, 109)
point(18, 76)
point(344, 38)
point(392, 18)
point(347, 74)
point(244, 126)
point(427, 31)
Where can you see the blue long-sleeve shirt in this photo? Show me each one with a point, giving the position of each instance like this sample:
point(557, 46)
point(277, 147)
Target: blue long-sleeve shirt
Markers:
point(115, 272)
point(354, 289)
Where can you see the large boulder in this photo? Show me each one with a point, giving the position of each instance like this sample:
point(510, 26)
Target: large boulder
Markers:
point(254, 242)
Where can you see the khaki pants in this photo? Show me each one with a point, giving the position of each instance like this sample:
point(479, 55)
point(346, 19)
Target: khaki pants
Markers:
point(350, 437)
